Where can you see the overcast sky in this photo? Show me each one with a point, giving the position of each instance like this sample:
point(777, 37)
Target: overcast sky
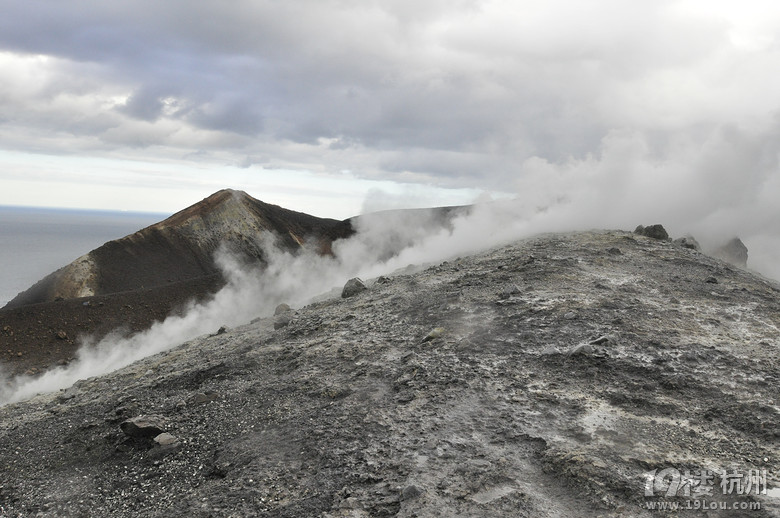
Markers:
point(337, 106)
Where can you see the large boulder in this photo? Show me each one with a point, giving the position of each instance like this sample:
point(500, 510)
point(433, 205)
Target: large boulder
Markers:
point(656, 231)
point(282, 316)
point(282, 309)
point(353, 287)
point(734, 252)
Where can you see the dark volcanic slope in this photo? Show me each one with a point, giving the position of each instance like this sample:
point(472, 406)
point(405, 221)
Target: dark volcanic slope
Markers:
point(37, 336)
point(132, 282)
point(182, 247)
point(542, 379)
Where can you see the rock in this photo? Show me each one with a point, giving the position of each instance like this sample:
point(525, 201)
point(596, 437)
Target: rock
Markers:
point(143, 426)
point(614, 251)
point(688, 242)
point(656, 231)
point(62, 335)
point(66, 395)
point(282, 308)
point(384, 280)
point(569, 315)
point(581, 349)
point(711, 280)
point(734, 252)
point(508, 291)
point(163, 444)
point(166, 440)
point(410, 492)
point(333, 392)
point(436, 332)
point(353, 287)
point(222, 330)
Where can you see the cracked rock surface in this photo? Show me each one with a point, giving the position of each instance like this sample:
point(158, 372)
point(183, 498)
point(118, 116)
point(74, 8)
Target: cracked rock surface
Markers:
point(541, 379)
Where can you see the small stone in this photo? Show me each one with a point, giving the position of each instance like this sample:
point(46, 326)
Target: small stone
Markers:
point(69, 393)
point(711, 280)
point(436, 332)
point(410, 492)
point(164, 444)
point(166, 439)
point(222, 330)
point(353, 287)
point(143, 426)
point(614, 251)
point(508, 291)
point(570, 315)
point(583, 349)
point(62, 335)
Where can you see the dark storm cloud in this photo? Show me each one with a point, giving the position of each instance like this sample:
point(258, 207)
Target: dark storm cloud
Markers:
point(360, 71)
point(457, 92)
point(145, 104)
point(604, 113)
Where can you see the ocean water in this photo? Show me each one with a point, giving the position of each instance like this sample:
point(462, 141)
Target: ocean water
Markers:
point(35, 241)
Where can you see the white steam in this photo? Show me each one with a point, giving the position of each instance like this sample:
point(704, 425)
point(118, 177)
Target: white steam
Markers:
point(251, 292)
point(723, 185)
point(383, 242)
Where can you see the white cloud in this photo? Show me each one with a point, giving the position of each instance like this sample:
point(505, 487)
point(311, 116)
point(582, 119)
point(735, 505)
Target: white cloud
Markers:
point(617, 108)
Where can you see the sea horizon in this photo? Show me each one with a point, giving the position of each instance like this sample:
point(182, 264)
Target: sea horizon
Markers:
point(36, 241)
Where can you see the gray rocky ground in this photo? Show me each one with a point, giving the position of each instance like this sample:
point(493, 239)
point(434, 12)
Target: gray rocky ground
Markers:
point(540, 379)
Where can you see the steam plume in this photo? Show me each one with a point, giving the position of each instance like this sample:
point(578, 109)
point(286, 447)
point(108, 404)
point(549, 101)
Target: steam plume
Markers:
point(624, 186)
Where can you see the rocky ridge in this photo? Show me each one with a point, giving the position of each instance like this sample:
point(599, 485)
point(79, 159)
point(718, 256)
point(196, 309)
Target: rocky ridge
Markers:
point(543, 379)
point(183, 247)
point(132, 282)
